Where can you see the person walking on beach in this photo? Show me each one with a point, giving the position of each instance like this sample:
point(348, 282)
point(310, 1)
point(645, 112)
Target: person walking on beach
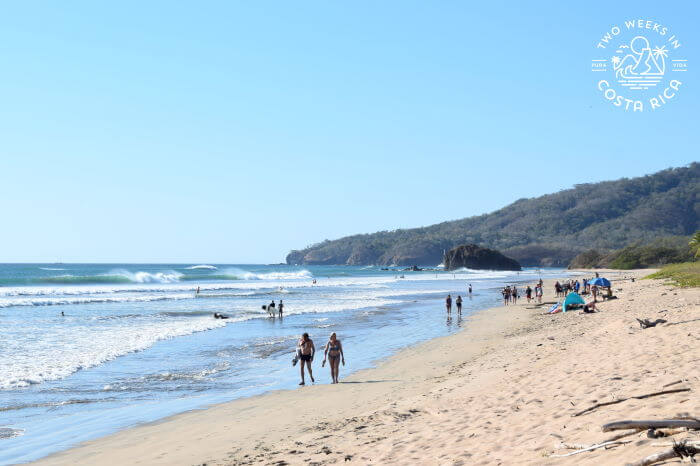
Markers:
point(280, 307)
point(506, 295)
point(448, 303)
point(528, 293)
point(470, 289)
point(306, 355)
point(334, 353)
point(514, 294)
point(459, 304)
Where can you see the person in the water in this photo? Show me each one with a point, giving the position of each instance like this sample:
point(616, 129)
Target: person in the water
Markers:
point(334, 353)
point(459, 304)
point(280, 307)
point(220, 316)
point(448, 303)
point(306, 350)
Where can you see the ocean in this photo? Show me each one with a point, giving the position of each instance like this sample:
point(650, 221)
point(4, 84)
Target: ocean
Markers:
point(88, 349)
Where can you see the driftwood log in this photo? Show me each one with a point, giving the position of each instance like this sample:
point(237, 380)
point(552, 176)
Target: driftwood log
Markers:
point(679, 450)
point(591, 448)
point(646, 323)
point(636, 397)
point(687, 423)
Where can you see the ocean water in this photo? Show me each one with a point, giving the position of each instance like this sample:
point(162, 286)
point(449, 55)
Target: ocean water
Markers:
point(88, 349)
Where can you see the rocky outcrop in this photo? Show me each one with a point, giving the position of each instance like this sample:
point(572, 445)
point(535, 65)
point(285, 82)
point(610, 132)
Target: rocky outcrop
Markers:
point(472, 256)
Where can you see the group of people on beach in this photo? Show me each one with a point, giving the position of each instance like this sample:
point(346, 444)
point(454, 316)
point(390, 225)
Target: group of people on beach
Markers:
point(458, 301)
point(270, 308)
point(562, 289)
point(511, 293)
point(538, 293)
point(584, 287)
point(306, 350)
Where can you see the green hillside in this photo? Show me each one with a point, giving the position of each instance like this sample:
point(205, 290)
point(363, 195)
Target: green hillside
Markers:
point(548, 230)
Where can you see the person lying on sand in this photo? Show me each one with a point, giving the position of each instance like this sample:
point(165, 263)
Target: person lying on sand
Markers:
point(334, 352)
point(589, 308)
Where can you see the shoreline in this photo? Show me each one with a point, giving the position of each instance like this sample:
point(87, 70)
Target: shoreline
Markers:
point(444, 400)
point(91, 450)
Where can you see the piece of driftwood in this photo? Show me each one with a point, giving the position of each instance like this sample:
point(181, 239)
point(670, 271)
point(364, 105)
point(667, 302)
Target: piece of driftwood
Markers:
point(572, 446)
point(688, 423)
point(646, 323)
point(622, 435)
point(591, 448)
point(672, 383)
point(679, 450)
point(636, 397)
point(583, 446)
point(670, 444)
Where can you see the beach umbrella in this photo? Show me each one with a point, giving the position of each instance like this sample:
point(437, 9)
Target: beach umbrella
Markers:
point(572, 298)
point(600, 281)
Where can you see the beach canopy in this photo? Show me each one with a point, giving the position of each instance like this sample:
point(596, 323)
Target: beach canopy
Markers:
point(572, 298)
point(600, 281)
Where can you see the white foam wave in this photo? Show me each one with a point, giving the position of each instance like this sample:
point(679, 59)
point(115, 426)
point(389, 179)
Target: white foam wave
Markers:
point(56, 301)
point(246, 275)
point(50, 268)
point(36, 360)
point(147, 277)
point(203, 266)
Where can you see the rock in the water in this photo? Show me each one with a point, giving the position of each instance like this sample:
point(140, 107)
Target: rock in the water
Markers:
point(472, 256)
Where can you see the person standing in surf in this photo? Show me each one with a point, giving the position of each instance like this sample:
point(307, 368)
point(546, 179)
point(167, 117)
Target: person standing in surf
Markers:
point(334, 352)
point(448, 304)
point(280, 306)
point(459, 304)
point(306, 350)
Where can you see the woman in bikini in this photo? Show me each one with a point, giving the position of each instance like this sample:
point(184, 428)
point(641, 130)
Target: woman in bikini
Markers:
point(334, 352)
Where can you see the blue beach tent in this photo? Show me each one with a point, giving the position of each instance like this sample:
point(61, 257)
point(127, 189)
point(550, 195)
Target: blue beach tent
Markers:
point(572, 298)
point(600, 281)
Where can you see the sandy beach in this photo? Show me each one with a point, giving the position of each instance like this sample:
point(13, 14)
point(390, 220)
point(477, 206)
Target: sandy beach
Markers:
point(505, 390)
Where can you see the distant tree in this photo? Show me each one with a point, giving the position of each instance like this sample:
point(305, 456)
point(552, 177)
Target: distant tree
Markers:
point(695, 244)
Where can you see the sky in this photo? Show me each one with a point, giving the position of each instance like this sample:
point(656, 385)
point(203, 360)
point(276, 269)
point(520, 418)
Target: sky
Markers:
point(232, 132)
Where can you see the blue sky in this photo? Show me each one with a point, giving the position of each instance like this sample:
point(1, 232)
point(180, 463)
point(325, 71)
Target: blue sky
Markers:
point(236, 131)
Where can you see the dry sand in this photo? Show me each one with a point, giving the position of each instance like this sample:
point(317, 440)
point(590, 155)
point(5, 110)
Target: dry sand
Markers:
point(502, 391)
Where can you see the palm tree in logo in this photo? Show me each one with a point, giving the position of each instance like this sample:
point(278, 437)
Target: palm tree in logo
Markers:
point(615, 61)
point(662, 53)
